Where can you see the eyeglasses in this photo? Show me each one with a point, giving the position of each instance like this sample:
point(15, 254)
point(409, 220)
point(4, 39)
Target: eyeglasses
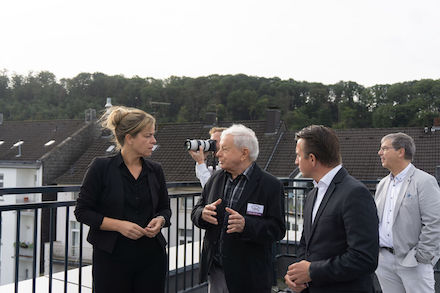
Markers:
point(385, 148)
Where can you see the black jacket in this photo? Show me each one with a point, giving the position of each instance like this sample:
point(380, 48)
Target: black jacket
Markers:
point(247, 256)
point(342, 244)
point(101, 195)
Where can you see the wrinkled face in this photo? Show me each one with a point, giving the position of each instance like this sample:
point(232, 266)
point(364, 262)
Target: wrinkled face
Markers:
point(303, 160)
point(216, 136)
point(389, 157)
point(229, 156)
point(144, 141)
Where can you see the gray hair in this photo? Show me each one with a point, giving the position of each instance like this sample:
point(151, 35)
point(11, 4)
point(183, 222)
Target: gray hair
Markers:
point(401, 140)
point(244, 138)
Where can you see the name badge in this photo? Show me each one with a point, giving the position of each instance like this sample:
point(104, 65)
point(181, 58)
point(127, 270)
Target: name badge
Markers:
point(255, 209)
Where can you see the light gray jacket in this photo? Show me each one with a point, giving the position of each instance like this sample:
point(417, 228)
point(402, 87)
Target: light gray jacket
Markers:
point(416, 227)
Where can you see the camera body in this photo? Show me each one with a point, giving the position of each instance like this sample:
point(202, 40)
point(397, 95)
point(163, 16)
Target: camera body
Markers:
point(208, 145)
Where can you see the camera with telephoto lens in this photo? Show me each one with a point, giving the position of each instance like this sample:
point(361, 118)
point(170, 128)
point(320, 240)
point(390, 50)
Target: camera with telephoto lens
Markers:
point(208, 145)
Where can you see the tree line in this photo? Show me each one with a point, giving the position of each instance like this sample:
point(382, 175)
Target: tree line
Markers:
point(346, 104)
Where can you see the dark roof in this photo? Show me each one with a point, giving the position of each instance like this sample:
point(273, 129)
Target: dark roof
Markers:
point(34, 135)
point(76, 172)
point(176, 162)
point(358, 148)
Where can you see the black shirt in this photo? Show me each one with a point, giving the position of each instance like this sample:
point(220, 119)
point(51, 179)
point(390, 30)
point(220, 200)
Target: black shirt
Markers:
point(137, 209)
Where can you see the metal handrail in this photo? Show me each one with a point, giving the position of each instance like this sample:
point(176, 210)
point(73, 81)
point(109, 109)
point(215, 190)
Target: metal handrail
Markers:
point(184, 276)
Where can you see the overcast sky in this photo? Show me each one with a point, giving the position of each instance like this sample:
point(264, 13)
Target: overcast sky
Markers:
point(367, 41)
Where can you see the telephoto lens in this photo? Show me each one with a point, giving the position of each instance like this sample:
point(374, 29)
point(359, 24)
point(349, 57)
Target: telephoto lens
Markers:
point(208, 145)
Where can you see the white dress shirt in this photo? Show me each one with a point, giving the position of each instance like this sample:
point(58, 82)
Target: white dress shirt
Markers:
point(323, 185)
point(203, 172)
point(386, 223)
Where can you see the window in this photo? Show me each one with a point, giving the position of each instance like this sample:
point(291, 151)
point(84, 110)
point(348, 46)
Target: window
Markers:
point(189, 203)
point(1, 180)
point(74, 232)
point(182, 233)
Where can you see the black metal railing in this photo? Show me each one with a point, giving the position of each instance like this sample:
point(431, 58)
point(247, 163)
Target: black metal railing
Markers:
point(184, 239)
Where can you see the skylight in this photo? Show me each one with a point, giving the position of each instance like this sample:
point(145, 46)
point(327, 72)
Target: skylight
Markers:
point(110, 148)
point(50, 142)
point(18, 143)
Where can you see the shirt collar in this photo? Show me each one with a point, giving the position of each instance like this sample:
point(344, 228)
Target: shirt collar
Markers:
point(399, 177)
point(327, 178)
point(120, 161)
point(246, 173)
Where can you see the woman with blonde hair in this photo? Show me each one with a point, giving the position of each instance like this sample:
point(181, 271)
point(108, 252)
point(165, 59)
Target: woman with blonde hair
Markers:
point(124, 200)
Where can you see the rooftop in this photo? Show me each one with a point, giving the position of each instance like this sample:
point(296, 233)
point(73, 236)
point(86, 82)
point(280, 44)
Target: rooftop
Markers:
point(22, 141)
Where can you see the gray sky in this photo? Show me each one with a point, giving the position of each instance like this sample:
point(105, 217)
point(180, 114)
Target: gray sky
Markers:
point(367, 41)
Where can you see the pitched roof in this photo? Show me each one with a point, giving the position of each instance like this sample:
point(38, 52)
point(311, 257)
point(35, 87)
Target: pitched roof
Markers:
point(34, 134)
point(358, 148)
point(170, 153)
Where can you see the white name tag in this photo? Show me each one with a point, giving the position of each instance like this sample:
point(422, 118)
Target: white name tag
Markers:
point(255, 209)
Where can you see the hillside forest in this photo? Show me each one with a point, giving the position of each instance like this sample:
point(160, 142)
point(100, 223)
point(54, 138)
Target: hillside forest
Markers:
point(346, 104)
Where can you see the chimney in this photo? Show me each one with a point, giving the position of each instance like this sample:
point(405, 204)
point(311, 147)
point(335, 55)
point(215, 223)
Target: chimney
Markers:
point(436, 124)
point(210, 118)
point(108, 105)
point(273, 118)
point(90, 115)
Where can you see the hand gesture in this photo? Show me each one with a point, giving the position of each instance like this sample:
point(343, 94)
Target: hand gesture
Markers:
point(154, 227)
point(131, 230)
point(209, 212)
point(198, 156)
point(235, 222)
point(298, 275)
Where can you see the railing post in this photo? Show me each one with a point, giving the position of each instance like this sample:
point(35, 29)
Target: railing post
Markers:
point(34, 259)
point(66, 249)
point(17, 250)
point(80, 257)
point(51, 224)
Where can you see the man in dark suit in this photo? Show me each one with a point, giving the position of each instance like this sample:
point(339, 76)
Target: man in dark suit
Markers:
point(242, 211)
point(339, 247)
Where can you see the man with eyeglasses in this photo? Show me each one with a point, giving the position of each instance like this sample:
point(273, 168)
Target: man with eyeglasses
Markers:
point(408, 204)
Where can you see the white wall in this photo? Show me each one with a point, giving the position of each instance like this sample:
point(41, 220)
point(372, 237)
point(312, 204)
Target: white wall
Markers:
point(17, 177)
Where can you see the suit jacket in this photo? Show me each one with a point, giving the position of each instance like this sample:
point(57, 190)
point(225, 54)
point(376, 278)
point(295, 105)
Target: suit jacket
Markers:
point(246, 256)
point(416, 219)
point(342, 243)
point(101, 195)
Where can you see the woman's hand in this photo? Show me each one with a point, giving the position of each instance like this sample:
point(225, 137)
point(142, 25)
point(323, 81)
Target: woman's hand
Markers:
point(126, 228)
point(154, 227)
point(131, 230)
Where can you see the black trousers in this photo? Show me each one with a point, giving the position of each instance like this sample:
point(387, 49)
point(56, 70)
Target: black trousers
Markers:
point(114, 273)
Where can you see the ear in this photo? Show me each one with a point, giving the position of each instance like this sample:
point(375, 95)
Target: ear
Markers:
point(128, 139)
point(244, 154)
point(401, 153)
point(313, 160)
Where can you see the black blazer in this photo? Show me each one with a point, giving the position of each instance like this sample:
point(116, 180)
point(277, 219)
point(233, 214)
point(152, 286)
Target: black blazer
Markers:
point(247, 256)
point(101, 195)
point(343, 242)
